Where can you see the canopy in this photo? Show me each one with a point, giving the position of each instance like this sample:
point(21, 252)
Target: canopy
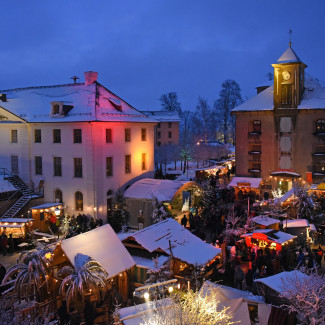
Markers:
point(102, 245)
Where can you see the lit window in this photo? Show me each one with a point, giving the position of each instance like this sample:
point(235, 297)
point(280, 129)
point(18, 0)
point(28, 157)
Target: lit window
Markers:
point(79, 201)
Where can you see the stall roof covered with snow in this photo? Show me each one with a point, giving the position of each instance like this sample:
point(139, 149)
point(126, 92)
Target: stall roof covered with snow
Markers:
point(186, 247)
point(296, 223)
point(103, 245)
point(245, 182)
point(163, 189)
point(265, 220)
point(5, 185)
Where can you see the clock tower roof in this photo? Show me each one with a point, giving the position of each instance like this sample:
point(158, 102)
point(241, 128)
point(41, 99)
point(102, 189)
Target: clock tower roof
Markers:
point(289, 56)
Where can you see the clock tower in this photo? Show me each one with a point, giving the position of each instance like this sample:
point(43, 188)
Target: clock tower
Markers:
point(288, 80)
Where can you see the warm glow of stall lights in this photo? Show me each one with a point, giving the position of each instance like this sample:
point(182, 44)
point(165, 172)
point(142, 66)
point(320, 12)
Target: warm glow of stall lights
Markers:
point(46, 210)
point(63, 255)
point(42, 210)
point(120, 274)
point(95, 209)
point(57, 212)
point(48, 256)
point(90, 290)
point(15, 223)
point(178, 286)
point(146, 295)
point(170, 289)
point(6, 223)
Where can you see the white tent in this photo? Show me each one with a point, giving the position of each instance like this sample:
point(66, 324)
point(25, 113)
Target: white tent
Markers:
point(103, 245)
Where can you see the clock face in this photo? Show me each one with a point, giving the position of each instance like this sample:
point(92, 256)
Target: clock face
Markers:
point(286, 75)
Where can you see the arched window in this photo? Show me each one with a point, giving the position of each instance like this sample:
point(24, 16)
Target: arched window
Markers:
point(58, 196)
point(79, 201)
point(257, 126)
point(320, 126)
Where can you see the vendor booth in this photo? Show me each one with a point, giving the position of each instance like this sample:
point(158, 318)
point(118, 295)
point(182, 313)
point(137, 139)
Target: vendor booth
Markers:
point(46, 214)
point(246, 186)
point(16, 226)
point(268, 237)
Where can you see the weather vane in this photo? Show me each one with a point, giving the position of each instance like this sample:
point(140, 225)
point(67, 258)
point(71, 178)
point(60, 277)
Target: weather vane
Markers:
point(290, 32)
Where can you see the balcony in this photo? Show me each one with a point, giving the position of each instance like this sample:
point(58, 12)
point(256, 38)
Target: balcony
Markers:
point(254, 152)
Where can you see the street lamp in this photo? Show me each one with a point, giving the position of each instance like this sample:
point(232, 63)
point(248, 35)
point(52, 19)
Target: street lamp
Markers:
point(57, 211)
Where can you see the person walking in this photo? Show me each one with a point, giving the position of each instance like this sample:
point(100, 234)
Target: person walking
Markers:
point(184, 221)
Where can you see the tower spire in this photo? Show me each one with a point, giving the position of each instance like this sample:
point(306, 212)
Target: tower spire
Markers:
point(290, 32)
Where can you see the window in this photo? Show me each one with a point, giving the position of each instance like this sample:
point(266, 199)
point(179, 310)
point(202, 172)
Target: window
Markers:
point(13, 136)
point(158, 134)
point(55, 109)
point(58, 196)
point(144, 162)
point(14, 165)
point(108, 135)
point(158, 143)
point(77, 136)
point(286, 95)
point(169, 134)
point(257, 126)
point(127, 135)
point(169, 124)
point(320, 126)
point(143, 134)
point(109, 166)
point(109, 206)
point(158, 125)
point(57, 166)
point(127, 164)
point(77, 167)
point(38, 165)
point(56, 136)
point(79, 201)
point(37, 136)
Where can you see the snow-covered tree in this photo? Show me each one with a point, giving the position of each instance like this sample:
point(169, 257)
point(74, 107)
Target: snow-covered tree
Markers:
point(158, 273)
point(87, 276)
point(249, 226)
point(233, 229)
point(159, 212)
point(306, 297)
point(304, 203)
point(191, 308)
point(120, 215)
point(30, 274)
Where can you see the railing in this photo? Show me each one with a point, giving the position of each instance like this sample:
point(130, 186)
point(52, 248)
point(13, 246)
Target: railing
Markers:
point(8, 204)
point(5, 172)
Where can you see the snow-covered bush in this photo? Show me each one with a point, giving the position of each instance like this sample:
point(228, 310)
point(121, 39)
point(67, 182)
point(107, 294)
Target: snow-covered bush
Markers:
point(159, 212)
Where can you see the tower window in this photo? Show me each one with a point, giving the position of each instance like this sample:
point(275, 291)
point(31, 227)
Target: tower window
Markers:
point(286, 95)
point(320, 126)
point(257, 126)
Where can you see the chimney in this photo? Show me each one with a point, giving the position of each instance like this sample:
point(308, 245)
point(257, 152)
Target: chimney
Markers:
point(90, 77)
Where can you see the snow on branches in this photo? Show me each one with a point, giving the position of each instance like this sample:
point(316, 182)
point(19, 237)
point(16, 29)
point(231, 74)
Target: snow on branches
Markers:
point(158, 273)
point(159, 212)
point(306, 297)
point(233, 229)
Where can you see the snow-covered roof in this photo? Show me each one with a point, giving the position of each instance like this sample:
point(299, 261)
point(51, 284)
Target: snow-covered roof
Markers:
point(313, 97)
point(162, 189)
point(163, 116)
point(278, 237)
point(289, 56)
point(265, 221)
point(283, 281)
point(33, 104)
point(15, 220)
point(148, 263)
point(102, 245)
point(245, 182)
point(46, 206)
point(6, 186)
point(285, 172)
point(296, 223)
point(185, 246)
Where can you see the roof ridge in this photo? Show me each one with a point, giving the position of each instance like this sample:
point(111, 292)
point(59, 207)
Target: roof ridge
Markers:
point(42, 87)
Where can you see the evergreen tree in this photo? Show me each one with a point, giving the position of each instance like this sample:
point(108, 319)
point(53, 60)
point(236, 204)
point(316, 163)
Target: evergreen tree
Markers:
point(120, 215)
point(304, 203)
point(159, 212)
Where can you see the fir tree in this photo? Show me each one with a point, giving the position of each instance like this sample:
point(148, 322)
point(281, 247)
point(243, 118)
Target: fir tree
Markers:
point(304, 204)
point(159, 212)
point(120, 215)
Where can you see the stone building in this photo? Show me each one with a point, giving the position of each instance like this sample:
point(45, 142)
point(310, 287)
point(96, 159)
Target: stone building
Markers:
point(280, 133)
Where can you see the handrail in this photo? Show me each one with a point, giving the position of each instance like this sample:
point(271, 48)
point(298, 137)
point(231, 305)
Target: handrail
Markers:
point(5, 172)
point(8, 202)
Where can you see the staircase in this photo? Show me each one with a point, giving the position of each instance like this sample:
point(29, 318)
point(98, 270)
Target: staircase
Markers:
point(22, 201)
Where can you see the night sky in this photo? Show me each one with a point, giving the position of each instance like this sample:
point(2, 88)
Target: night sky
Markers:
point(142, 49)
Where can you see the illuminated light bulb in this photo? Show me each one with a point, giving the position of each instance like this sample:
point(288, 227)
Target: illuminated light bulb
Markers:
point(170, 289)
point(178, 286)
point(146, 295)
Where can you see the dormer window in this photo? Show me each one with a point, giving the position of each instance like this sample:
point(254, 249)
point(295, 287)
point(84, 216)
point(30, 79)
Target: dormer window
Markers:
point(60, 109)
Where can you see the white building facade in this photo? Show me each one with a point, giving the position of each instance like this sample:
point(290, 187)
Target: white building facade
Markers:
point(79, 141)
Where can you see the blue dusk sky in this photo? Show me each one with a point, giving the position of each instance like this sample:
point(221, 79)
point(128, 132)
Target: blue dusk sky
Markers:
point(144, 48)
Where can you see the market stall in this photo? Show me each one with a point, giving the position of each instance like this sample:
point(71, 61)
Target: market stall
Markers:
point(46, 214)
point(16, 226)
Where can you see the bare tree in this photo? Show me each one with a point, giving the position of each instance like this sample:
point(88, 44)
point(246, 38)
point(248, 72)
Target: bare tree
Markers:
point(204, 113)
point(169, 102)
point(229, 98)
